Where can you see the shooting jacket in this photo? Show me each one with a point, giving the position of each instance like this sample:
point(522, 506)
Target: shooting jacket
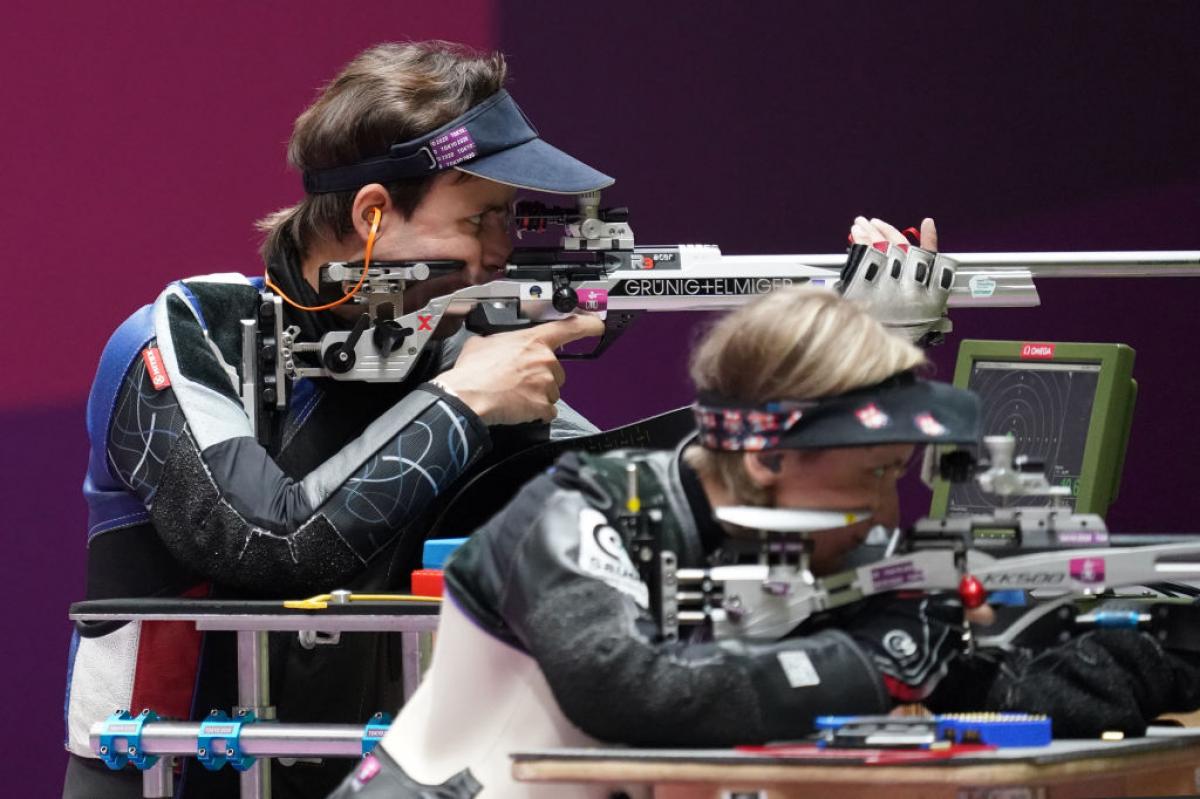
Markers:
point(552, 576)
point(184, 501)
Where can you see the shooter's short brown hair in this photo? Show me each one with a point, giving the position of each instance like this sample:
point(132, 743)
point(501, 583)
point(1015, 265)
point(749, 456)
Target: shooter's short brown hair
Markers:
point(388, 94)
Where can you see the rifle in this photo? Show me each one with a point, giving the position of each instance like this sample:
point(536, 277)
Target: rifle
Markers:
point(597, 268)
point(1041, 549)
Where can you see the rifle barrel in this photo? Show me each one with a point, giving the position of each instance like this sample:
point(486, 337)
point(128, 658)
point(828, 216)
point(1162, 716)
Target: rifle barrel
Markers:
point(1117, 263)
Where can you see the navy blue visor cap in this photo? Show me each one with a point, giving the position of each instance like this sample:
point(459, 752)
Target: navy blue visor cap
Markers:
point(493, 140)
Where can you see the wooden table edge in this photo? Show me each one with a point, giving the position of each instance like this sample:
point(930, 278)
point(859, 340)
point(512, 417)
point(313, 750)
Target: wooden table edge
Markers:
point(609, 770)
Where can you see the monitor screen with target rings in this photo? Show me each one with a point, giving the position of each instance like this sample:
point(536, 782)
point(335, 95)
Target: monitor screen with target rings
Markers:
point(1069, 407)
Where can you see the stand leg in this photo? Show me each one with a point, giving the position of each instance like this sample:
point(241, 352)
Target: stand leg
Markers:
point(410, 659)
point(254, 693)
point(159, 782)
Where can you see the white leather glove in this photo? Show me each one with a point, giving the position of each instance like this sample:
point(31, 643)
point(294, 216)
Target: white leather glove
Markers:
point(904, 286)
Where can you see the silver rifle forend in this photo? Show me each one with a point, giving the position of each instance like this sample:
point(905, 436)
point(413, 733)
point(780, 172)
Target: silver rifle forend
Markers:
point(617, 285)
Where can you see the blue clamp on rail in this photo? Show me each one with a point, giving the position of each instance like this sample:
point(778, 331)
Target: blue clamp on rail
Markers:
point(124, 726)
point(218, 741)
point(376, 728)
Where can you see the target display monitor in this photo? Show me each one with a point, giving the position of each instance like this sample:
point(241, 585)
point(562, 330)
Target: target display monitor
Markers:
point(1068, 405)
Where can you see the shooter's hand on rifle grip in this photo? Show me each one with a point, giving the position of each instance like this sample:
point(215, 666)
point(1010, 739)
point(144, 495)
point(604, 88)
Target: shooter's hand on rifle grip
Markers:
point(512, 378)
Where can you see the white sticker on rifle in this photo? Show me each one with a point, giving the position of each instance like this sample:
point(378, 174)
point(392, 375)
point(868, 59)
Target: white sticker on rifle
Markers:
point(798, 669)
point(981, 286)
point(602, 554)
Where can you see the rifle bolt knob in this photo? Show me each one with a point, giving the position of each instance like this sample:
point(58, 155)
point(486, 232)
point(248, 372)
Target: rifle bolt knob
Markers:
point(971, 591)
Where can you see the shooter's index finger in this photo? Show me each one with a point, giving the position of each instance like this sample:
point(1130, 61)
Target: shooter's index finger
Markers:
point(564, 331)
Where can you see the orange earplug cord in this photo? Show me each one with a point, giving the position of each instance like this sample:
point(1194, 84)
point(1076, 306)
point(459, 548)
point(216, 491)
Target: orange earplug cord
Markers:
point(376, 217)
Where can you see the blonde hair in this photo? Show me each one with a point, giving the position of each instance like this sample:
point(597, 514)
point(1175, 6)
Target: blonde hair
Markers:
point(793, 343)
point(388, 94)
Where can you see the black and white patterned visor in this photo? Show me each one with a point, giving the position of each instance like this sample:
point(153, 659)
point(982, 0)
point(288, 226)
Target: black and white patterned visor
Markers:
point(903, 409)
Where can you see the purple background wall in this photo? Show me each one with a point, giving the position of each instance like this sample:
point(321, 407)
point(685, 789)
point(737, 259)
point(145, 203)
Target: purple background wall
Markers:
point(140, 144)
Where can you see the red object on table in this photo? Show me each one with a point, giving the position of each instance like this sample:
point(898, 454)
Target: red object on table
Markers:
point(427, 582)
point(880, 757)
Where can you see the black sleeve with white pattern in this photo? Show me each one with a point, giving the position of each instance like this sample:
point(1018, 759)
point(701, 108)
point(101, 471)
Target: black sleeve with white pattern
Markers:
point(232, 514)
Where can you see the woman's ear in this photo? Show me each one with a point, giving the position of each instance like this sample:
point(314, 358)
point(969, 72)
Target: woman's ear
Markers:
point(764, 468)
point(369, 197)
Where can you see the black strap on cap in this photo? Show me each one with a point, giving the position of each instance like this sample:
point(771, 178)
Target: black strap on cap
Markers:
point(494, 125)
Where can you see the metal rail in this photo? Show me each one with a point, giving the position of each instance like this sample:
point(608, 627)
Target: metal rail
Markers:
point(261, 740)
point(383, 622)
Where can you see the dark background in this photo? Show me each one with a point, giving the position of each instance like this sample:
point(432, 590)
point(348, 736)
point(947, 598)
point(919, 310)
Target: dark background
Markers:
point(139, 144)
point(767, 128)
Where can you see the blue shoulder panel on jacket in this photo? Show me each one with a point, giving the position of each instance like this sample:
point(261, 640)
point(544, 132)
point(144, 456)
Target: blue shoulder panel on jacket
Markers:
point(119, 353)
point(109, 504)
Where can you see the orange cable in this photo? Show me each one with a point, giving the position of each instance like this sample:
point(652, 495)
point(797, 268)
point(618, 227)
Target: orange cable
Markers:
point(376, 217)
